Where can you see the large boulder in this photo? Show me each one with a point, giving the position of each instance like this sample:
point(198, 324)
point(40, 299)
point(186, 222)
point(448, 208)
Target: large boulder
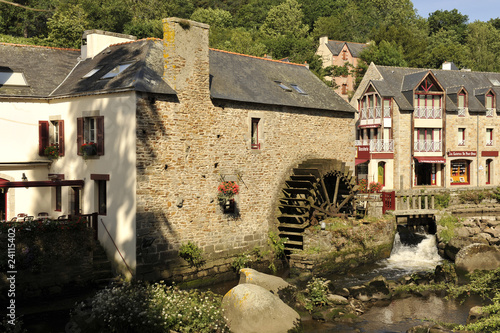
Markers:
point(477, 256)
point(457, 243)
point(270, 282)
point(249, 308)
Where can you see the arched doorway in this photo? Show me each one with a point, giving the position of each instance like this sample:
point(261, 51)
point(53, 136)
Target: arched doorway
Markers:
point(381, 173)
point(488, 171)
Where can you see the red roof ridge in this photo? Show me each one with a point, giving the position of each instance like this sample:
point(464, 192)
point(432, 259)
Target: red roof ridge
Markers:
point(39, 46)
point(255, 57)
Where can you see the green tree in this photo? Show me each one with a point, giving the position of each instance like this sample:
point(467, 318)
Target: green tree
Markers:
point(216, 18)
point(384, 53)
point(449, 20)
point(444, 46)
point(66, 27)
point(285, 20)
point(238, 40)
point(253, 14)
point(483, 44)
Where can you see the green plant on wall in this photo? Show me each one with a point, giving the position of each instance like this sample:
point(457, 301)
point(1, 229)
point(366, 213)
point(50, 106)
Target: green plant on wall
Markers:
point(449, 223)
point(192, 254)
point(442, 200)
point(277, 245)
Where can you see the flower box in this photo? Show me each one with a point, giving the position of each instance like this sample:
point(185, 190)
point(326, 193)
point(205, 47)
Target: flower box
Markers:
point(89, 149)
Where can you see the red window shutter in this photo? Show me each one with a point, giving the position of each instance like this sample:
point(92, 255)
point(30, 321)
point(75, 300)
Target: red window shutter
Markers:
point(79, 135)
point(43, 136)
point(60, 123)
point(100, 135)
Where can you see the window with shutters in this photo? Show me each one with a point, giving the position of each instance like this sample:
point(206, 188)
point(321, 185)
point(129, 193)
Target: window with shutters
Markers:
point(90, 130)
point(50, 133)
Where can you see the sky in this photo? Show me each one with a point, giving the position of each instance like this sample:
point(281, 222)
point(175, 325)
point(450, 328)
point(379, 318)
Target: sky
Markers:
point(481, 10)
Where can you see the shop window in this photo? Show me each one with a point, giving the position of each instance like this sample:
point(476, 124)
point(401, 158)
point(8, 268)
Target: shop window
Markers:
point(255, 133)
point(50, 133)
point(460, 172)
point(90, 130)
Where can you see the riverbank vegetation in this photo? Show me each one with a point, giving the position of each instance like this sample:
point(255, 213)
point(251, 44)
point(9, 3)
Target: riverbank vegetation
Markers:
point(139, 307)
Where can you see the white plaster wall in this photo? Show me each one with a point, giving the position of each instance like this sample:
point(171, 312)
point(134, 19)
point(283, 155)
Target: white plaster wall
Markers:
point(19, 137)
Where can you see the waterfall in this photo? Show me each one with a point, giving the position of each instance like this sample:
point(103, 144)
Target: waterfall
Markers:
point(419, 257)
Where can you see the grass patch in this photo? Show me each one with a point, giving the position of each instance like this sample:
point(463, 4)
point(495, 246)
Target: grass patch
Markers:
point(448, 223)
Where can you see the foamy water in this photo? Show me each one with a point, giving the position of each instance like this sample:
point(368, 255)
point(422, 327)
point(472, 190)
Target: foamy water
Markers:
point(420, 257)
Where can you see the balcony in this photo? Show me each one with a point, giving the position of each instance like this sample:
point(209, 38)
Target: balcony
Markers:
point(461, 112)
point(489, 112)
point(387, 112)
point(489, 142)
point(377, 146)
point(427, 146)
point(428, 113)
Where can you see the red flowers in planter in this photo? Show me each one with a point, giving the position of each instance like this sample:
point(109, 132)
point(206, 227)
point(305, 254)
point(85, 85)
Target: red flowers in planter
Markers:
point(227, 190)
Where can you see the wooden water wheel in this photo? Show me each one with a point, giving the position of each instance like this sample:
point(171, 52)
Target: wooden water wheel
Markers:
point(316, 189)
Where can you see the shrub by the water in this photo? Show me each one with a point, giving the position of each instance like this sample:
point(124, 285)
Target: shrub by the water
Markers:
point(153, 308)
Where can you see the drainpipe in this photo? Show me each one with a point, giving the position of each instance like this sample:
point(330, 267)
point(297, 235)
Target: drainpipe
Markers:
point(477, 151)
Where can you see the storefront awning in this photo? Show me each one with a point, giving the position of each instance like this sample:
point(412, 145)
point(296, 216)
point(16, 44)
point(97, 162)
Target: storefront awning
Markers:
point(430, 159)
point(361, 160)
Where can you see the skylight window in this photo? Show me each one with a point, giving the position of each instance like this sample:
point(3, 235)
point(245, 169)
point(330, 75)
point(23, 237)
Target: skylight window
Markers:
point(12, 79)
point(282, 86)
point(115, 71)
point(495, 82)
point(92, 72)
point(298, 89)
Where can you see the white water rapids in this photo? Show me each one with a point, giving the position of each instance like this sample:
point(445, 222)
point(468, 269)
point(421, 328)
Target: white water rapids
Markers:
point(421, 257)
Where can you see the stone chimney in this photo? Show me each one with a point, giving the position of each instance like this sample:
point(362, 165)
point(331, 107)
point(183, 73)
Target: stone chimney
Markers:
point(323, 40)
point(94, 41)
point(186, 56)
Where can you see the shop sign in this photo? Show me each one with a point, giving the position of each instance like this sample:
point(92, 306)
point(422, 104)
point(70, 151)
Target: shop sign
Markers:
point(462, 153)
point(363, 152)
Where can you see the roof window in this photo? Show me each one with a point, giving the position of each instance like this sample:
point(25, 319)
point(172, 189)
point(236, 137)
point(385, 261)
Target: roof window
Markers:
point(115, 71)
point(495, 82)
point(298, 89)
point(282, 86)
point(12, 79)
point(92, 72)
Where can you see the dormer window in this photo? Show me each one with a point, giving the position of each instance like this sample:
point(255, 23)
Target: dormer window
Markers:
point(489, 103)
point(461, 103)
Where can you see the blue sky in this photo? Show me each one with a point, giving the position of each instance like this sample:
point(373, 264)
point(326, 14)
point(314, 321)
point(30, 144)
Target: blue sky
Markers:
point(481, 10)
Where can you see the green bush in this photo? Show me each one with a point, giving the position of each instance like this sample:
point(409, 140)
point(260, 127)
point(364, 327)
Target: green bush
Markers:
point(316, 293)
point(442, 200)
point(449, 223)
point(149, 308)
point(192, 254)
point(472, 196)
point(277, 245)
point(241, 261)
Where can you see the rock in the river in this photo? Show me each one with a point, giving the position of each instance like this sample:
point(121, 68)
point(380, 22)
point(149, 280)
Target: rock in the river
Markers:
point(337, 299)
point(475, 313)
point(457, 243)
point(270, 282)
point(477, 256)
point(249, 308)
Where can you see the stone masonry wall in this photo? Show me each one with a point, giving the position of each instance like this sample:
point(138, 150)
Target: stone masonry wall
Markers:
point(187, 146)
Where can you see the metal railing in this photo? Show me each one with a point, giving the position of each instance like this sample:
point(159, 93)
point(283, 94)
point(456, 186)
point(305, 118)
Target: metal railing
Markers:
point(461, 112)
point(428, 113)
point(489, 142)
point(387, 112)
point(427, 146)
point(381, 145)
point(489, 112)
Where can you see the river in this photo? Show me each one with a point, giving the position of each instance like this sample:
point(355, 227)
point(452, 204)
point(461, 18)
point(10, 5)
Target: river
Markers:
point(401, 314)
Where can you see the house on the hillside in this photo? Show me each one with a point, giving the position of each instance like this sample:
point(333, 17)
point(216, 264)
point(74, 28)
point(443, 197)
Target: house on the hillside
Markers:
point(166, 121)
point(340, 53)
point(433, 128)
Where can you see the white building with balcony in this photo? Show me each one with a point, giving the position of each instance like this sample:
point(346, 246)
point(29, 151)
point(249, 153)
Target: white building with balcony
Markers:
point(427, 128)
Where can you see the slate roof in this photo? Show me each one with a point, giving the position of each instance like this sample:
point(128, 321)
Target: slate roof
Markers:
point(55, 73)
point(399, 82)
point(336, 46)
point(144, 74)
point(245, 78)
point(44, 68)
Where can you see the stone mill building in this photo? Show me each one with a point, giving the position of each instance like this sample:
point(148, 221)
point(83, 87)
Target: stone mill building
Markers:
point(171, 119)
